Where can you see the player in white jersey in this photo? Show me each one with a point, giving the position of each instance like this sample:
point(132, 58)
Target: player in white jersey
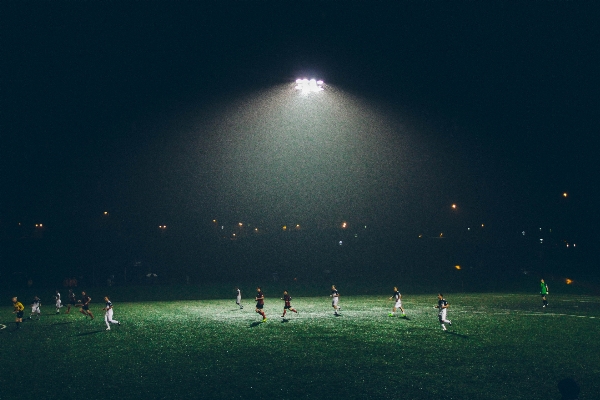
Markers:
point(108, 314)
point(443, 309)
point(238, 298)
point(58, 302)
point(335, 296)
point(35, 307)
point(398, 298)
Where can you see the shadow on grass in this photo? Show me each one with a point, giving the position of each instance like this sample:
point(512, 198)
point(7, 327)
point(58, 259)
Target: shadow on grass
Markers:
point(255, 324)
point(284, 320)
point(88, 333)
point(457, 334)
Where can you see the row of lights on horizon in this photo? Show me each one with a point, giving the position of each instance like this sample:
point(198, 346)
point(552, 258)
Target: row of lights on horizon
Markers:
point(343, 225)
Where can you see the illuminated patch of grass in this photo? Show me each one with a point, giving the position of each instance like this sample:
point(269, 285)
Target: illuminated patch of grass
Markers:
point(500, 346)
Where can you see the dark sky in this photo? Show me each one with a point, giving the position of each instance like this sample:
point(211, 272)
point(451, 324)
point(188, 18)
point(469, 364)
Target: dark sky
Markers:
point(133, 106)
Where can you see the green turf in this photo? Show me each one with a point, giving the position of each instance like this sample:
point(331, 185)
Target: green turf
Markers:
point(501, 346)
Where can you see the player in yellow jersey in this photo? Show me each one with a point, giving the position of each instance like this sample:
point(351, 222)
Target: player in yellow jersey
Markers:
point(18, 310)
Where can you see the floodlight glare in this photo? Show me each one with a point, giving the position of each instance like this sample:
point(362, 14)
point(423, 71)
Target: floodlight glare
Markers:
point(307, 86)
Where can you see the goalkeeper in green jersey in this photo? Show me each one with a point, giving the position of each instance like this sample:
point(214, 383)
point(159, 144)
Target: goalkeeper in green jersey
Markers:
point(544, 292)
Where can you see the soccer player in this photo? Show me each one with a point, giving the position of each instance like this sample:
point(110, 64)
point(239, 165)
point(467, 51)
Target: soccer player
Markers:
point(72, 301)
point(334, 300)
point(108, 314)
point(35, 307)
point(85, 305)
point(238, 297)
point(58, 302)
point(544, 292)
point(287, 298)
point(443, 307)
point(260, 303)
point(18, 310)
point(398, 297)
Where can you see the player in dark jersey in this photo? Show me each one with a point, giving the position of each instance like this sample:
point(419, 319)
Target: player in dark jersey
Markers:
point(287, 298)
point(72, 301)
point(335, 295)
point(397, 297)
point(443, 309)
point(18, 310)
point(85, 305)
point(260, 303)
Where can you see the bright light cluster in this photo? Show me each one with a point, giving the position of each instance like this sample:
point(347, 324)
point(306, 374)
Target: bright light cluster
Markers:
point(309, 85)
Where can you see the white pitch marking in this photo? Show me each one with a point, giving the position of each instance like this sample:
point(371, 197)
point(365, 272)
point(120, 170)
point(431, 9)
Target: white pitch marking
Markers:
point(2, 326)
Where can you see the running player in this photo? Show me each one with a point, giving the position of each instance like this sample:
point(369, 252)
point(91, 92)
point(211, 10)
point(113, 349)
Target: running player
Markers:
point(287, 298)
point(108, 314)
point(334, 300)
point(544, 292)
point(72, 301)
point(18, 310)
point(260, 303)
point(443, 309)
point(398, 297)
point(85, 305)
point(238, 297)
point(58, 302)
point(35, 307)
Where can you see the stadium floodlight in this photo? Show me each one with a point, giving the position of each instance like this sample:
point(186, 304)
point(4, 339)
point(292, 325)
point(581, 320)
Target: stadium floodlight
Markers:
point(309, 85)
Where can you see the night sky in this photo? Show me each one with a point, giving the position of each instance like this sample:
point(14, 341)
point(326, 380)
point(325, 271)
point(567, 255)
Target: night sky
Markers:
point(168, 112)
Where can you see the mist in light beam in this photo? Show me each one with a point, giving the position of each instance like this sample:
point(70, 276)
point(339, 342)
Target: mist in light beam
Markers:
point(282, 156)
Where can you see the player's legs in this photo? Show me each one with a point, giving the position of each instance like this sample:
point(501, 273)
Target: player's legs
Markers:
point(261, 312)
point(443, 319)
point(108, 318)
point(19, 319)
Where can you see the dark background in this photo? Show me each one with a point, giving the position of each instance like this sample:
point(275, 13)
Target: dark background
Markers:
point(98, 100)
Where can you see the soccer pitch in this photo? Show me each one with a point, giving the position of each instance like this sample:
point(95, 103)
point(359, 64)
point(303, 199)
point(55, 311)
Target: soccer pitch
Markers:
point(500, 346)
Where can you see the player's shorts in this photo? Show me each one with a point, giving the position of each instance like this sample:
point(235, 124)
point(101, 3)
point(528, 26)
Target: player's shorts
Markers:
point(442, 315)
point(58, 303)
point(238, 300)
point(398, 304)
point(334, 302)
point(19, 314)
point(85, 307)
point(72, 302)
point(35, 309)
point(287, 306)
point(260, 306)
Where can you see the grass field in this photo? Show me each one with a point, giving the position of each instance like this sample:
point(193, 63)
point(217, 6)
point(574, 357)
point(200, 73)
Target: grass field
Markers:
point(500, 346)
